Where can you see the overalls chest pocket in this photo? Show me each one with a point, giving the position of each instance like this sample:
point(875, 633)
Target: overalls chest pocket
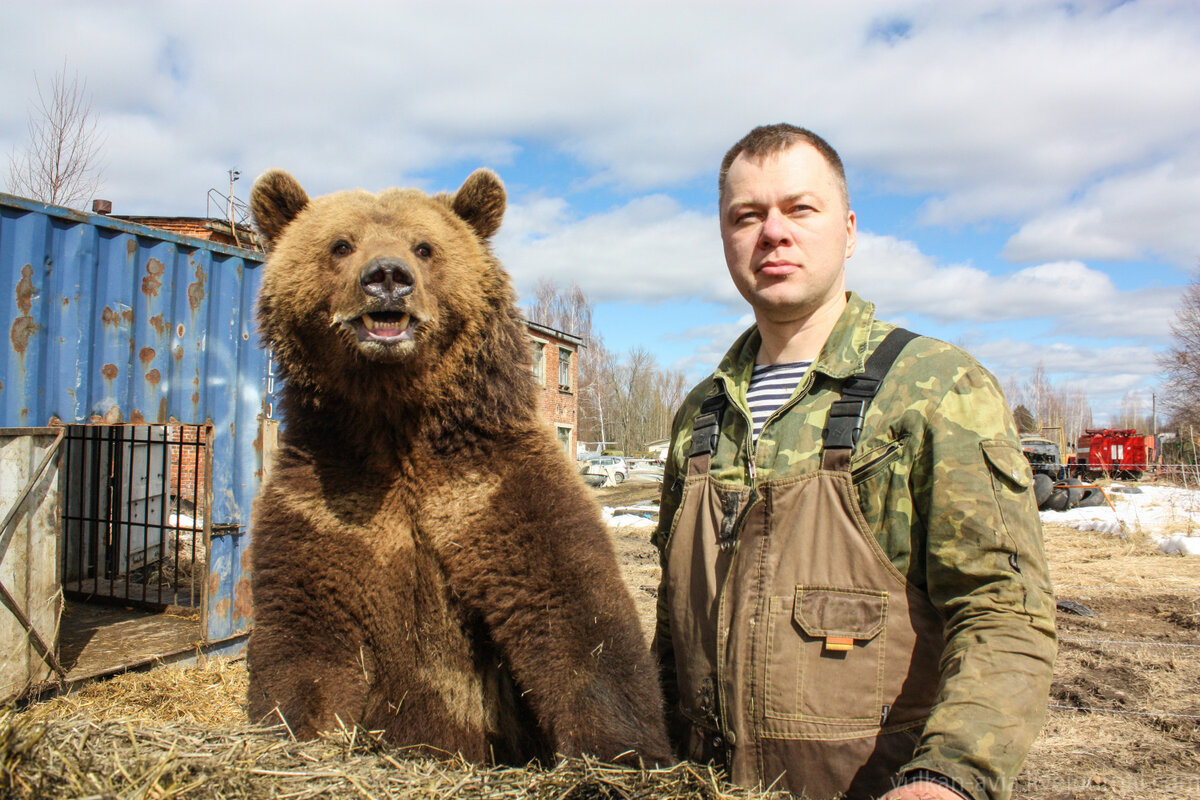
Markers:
point(825, 655)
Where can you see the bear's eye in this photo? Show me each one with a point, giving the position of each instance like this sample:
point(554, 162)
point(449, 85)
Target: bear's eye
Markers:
point(341, 248)
point(423, 250)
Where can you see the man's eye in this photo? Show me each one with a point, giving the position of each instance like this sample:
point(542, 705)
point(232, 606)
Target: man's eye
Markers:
point(341, 248)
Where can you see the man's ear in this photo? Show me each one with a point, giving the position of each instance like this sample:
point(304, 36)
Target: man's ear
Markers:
point(481, 201)
point(276, 200)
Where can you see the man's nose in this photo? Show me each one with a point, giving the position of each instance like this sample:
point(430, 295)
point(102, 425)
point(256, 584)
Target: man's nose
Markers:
point(775, 230)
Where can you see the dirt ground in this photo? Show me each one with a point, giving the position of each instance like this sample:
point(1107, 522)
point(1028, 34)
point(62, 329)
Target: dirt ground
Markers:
point(1124, 715)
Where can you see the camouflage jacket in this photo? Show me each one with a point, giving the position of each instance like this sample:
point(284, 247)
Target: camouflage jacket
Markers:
point(943, 484)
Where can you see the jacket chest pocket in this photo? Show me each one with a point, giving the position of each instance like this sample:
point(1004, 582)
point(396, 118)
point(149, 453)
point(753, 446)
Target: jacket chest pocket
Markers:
point(825, 655)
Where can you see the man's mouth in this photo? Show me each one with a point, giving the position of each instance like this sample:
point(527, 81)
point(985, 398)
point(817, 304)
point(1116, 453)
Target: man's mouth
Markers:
point(386, 327)
point(778, 268)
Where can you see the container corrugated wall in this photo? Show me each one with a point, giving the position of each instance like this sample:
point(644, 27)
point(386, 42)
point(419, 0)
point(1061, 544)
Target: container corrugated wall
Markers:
point(117, 322)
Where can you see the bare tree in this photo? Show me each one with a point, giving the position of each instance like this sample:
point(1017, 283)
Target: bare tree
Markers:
point(1181, 363)
point(1060, 412)
point(61, 162)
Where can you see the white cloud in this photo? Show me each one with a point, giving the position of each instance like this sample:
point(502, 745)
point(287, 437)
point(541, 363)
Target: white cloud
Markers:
point(1140, 214)
point(649, 250)
point(995, 108)
point(1069, 295)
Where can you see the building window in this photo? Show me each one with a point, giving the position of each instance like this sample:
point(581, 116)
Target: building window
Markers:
point(539, 362)
point(564, 438)
point(564, 369)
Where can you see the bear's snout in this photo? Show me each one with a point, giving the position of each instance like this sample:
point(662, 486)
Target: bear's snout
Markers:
point(388, 279)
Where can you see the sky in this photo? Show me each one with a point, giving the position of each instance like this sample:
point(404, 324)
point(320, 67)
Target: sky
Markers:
point(1025, 175)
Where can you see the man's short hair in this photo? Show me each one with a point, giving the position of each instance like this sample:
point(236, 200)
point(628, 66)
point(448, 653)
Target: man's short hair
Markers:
point(767, 140)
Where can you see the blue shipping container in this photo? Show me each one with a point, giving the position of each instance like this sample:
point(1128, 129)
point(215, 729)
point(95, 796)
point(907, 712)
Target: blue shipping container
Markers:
point(111, 321)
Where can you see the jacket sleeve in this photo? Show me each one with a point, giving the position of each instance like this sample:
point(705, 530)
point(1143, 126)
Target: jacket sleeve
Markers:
point(986, 572)
point(664, 651)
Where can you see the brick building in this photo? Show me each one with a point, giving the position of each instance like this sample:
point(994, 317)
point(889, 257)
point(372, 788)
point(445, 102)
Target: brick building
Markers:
point(556, 370)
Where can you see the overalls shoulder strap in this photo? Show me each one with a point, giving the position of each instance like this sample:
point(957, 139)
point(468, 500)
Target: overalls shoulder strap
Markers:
point(706, 430)
point(847, 413)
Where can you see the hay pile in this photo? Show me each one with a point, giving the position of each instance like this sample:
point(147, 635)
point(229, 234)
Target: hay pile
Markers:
point(181, 733)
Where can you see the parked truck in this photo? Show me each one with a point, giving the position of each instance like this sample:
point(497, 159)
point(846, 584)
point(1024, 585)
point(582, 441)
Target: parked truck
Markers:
point(1118, 453)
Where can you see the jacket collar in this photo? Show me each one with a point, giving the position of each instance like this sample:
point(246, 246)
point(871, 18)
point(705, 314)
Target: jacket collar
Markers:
point(844, 352)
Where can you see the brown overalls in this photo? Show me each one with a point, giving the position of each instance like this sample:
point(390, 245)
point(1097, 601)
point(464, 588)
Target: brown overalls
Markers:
point(804, 658)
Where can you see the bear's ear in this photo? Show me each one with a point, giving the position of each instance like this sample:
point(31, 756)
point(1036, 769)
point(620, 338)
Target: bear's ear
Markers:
point(276, 200)
point(481, 201)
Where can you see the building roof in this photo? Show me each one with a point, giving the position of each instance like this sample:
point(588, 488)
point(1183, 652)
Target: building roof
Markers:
point(548, 331)
point(207, 228)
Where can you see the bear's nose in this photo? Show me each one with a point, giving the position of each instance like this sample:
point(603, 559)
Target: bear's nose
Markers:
point(387, 278)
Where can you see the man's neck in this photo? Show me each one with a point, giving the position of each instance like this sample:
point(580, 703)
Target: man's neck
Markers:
point(798, 340)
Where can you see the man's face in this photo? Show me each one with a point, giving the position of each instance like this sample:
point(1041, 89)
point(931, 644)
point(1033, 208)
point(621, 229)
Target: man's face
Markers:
point(787, 233)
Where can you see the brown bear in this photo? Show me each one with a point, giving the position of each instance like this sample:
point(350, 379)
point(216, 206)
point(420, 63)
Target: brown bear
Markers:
point(426, 560)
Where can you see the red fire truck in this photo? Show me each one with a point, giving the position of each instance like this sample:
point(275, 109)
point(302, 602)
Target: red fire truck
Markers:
point(1120, 453)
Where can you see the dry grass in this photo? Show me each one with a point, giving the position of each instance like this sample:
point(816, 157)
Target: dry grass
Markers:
point(1103, 560)
point(207, 695)
point(86, 757)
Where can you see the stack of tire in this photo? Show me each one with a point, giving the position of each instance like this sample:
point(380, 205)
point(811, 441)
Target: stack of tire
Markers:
point(1055, 495)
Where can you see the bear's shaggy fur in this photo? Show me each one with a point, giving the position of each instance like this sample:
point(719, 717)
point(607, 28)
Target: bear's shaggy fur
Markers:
point(426, 561)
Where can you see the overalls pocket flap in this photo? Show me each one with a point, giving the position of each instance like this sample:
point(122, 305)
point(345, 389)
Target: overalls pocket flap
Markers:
point(823, 611)
point(1008, 462)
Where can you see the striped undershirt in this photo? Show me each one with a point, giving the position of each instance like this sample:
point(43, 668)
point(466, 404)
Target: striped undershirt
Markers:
point(770, 387)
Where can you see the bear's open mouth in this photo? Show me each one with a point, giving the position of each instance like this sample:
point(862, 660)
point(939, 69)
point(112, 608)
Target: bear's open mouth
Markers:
point(387, 327)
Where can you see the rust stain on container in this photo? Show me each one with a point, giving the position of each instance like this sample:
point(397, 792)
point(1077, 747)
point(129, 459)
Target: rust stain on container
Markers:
point(109, 371)
point(131, 246)
point(22, 328)
point(179, 330)
point(136, 417)
point(113, 416)
point(242, 606)
point(127, 314)
point(222, 608)
point(146, 355)
point(195, 398)
point(25, 289)
point(109, 317)
point(153, 280)
point(196, 289)
point(66, 301)
point(214, 583)
point(162, 409)
point(160, 326)
point(178, 352)
point(152, 377)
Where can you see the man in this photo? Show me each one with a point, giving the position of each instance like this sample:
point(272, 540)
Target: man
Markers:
point(854, 597)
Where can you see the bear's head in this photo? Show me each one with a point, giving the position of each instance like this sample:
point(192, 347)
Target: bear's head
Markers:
point(397, 290)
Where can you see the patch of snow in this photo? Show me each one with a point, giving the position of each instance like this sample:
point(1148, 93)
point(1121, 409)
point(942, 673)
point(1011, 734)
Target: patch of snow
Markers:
point(1103, 526)
point(625, 520)
point(1179, 544)
point(1153, 508)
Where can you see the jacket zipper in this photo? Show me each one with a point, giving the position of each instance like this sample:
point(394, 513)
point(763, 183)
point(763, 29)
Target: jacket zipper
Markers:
point(864, 471)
